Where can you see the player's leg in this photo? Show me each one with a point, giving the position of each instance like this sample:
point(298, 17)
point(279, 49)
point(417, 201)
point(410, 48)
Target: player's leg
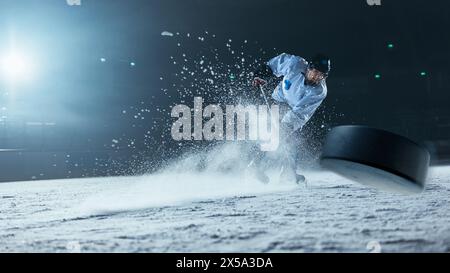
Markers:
point(256, 165)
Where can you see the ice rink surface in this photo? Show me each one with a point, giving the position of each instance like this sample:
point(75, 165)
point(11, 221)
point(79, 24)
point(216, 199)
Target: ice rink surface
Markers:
point(198, 212)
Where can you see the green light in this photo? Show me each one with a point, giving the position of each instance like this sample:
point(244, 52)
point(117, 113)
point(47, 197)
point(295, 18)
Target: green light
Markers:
point(377, 76)
point(390, 45)
point(423, 73)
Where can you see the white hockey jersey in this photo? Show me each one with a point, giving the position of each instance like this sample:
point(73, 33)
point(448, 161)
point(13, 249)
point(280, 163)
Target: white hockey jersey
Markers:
point(303, 99)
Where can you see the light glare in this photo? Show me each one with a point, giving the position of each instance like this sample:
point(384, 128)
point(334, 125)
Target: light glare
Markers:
point(15, 67)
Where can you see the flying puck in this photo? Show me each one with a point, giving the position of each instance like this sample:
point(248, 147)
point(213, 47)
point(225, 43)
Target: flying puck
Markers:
point(376, 158)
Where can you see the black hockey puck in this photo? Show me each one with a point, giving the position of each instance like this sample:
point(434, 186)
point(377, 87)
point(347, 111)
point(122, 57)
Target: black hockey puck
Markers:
point(376, 158)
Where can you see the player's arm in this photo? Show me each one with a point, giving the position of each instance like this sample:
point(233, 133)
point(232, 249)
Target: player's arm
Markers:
point(275, 68)
point(263, 75)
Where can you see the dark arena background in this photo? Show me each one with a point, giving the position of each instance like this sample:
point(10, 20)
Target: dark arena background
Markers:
point(86, 93)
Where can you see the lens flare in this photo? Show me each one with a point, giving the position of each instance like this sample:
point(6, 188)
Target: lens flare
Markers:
point(15, 66)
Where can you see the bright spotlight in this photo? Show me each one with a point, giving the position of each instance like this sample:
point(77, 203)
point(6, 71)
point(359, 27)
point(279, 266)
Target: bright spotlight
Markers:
point(15, 66)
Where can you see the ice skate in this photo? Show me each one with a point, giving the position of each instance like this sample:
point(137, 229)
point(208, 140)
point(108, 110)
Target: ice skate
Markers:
point(300, 179)
point(287, 175)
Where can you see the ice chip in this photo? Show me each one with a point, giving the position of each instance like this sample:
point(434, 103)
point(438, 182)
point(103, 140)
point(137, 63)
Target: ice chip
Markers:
point(167, 33)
